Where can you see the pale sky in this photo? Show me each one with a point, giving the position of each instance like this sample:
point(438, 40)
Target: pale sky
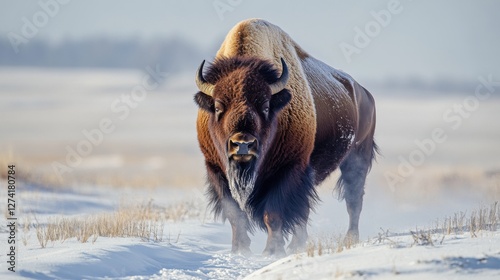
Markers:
point(454, 39)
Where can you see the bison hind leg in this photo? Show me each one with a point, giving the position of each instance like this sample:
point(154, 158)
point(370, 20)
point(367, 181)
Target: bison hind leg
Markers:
point(350, 185)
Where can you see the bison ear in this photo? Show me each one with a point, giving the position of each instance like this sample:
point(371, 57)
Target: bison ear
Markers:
point(205, 102)
point(280, 100)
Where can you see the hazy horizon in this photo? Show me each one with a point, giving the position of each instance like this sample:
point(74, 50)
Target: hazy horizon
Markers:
point(450, 39)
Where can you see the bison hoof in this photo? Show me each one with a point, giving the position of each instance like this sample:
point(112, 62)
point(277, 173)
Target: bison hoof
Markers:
point(276, 251)
point(351, 238)
point(298, 244)
point(245, 251)
point(295, 247)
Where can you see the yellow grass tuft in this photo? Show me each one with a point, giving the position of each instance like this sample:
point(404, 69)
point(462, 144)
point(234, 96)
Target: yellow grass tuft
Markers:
point(145, 221)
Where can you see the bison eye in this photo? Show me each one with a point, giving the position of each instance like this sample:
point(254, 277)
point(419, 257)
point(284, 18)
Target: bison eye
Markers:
point(265, 108)
point(219, 109)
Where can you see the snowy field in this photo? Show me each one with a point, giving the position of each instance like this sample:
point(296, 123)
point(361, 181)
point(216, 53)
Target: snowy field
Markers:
point(150, 164)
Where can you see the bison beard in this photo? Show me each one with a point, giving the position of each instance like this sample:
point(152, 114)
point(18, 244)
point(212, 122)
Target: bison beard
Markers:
point(241, 179)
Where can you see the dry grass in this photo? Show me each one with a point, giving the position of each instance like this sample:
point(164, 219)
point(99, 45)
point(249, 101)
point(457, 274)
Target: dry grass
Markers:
point(480, 220)
point(486, 218)
point(483, 219)
point(327, 244)
point(26, 227)
point(422, 237)
point(145, 221)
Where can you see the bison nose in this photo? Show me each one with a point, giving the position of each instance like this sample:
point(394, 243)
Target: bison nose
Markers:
point(241, 144)
point(241, 148)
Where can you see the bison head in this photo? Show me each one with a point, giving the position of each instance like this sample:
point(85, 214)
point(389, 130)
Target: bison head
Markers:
point(243, 96)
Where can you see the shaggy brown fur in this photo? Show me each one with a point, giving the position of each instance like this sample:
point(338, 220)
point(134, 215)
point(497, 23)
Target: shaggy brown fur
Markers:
point(322, 120)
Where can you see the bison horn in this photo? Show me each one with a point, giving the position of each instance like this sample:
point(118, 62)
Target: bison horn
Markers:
point(202, 84)
point(280, 84)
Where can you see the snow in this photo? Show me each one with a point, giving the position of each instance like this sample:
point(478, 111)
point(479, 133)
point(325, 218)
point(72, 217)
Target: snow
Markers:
point(125, 258)
point(458, 257)
point(191, 249)
point(199, 248)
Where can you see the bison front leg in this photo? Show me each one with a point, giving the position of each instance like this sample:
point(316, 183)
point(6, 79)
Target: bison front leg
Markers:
point(287, 208)
point(220, 198)
point(275, 242)
point(239, 224)
point(299, 238)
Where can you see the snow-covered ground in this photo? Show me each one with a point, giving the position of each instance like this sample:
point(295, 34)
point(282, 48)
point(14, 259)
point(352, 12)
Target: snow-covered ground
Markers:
point(193, 248)
point(457, 257)
point(154, 149)
point(199, 248)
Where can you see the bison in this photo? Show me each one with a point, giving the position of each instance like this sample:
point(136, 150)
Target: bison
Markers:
point(274, 122)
